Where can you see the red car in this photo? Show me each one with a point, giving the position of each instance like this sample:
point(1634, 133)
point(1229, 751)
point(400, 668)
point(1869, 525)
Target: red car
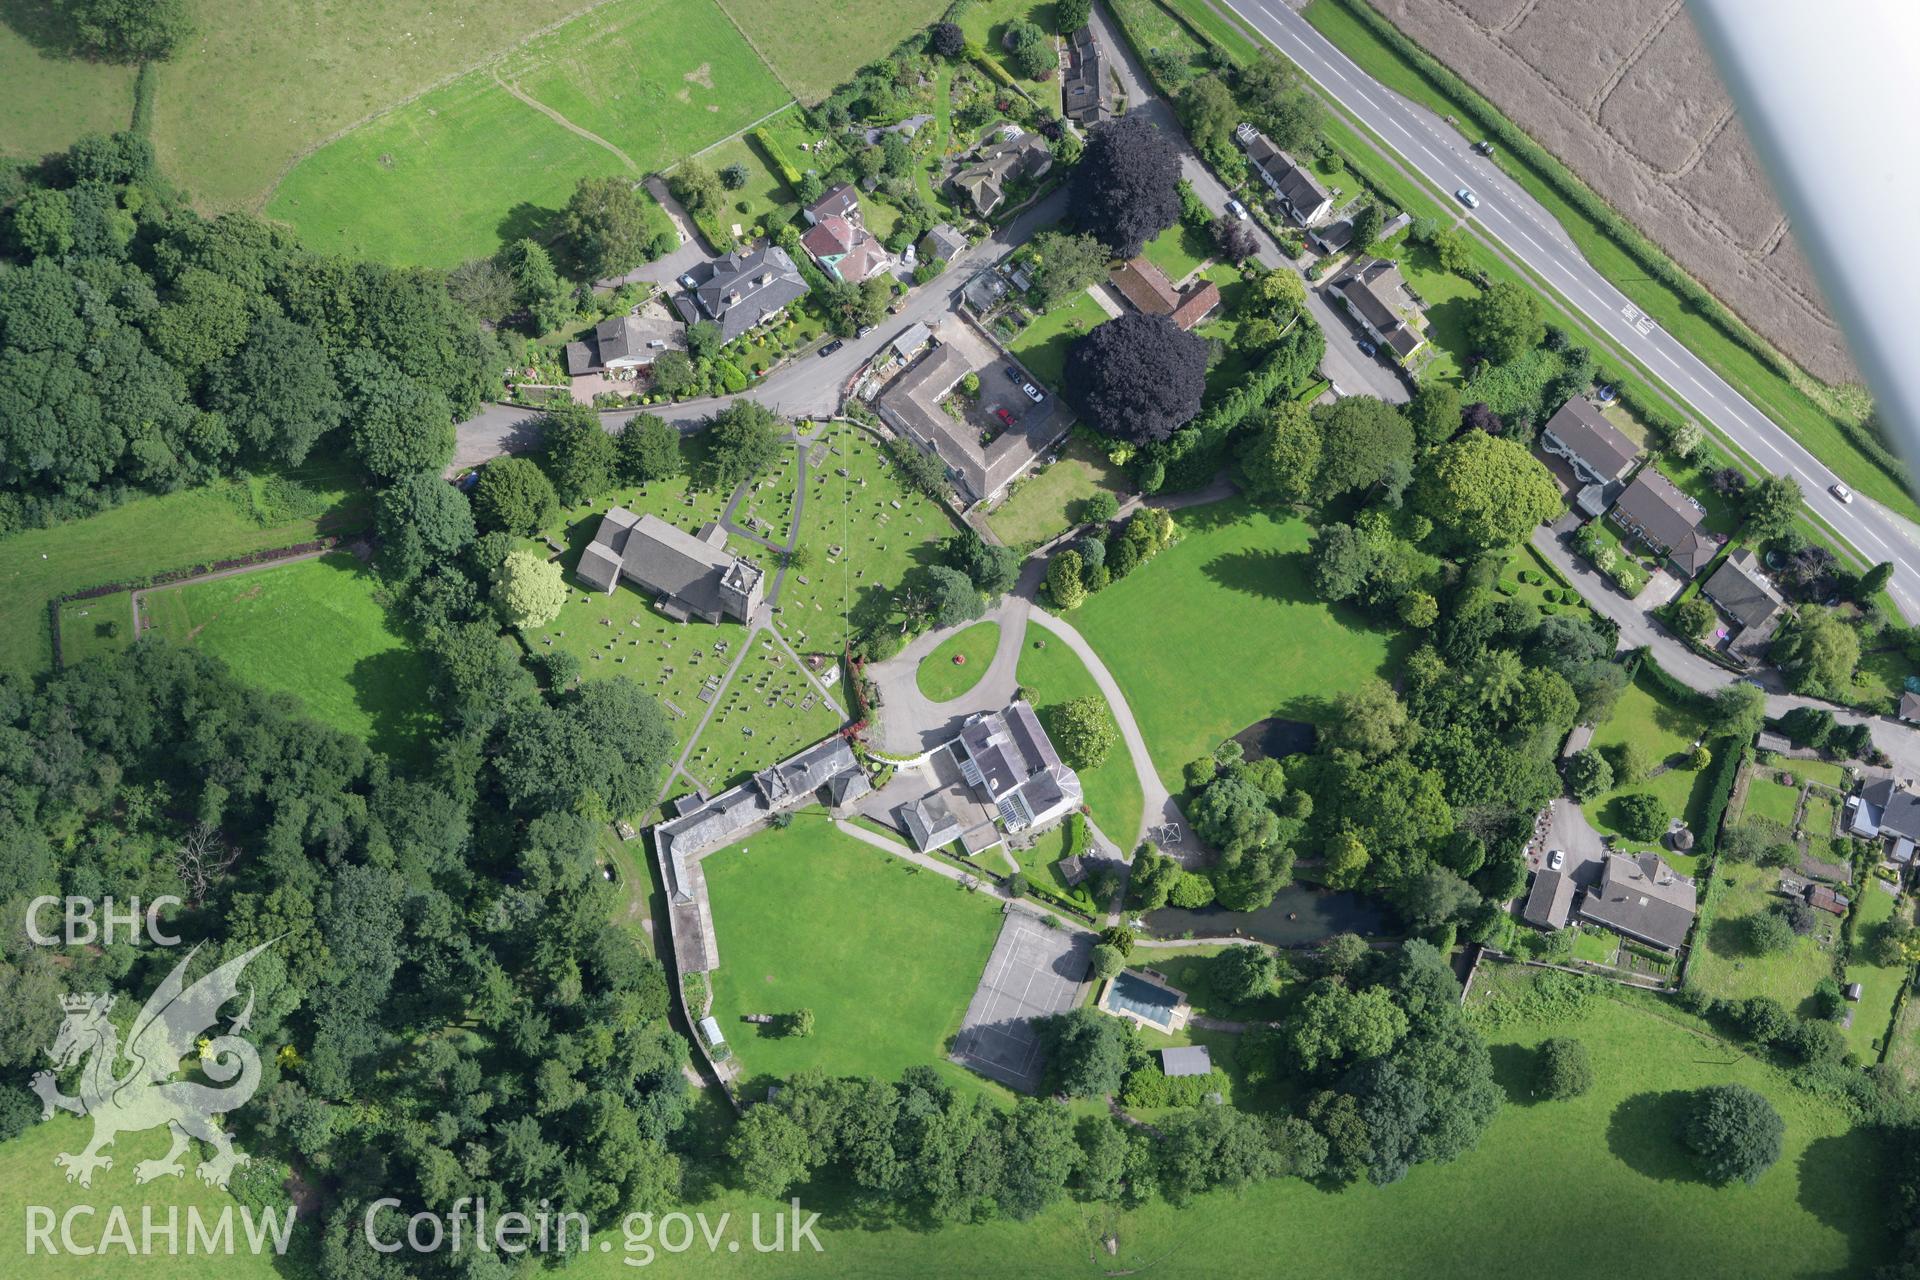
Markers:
point(1006, 418)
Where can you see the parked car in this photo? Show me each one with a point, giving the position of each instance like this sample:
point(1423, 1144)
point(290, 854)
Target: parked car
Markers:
point(1367, 348)
point(1841, 492)
point(1237, 209)
point(1467, 198)
point(1006, 419)
point(1555, 859)
point(1033, 393)
point(832, 347)
point(686, 282)
point(1014, 375)
point(865, 329)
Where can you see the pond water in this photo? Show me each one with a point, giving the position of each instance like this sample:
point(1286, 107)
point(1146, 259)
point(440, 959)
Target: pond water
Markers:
point(1299, 915)
point(1276, 739)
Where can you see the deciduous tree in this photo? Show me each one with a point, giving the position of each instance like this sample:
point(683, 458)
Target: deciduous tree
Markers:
point(1125, 188)
point(1137, 377)
point(528, 589)
point(1734, 1133)
point(1486, 492)
point(1505, 321)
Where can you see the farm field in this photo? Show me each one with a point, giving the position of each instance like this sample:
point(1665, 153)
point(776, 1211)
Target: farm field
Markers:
point(1816, 1212)
point(787, 33)
point(453, 174)
point(50, 100)
point(1811, 413)
point(943, 679)
point(315, 629)
point(329, 66)
point(886, 956)
point(137, 539)
point(1174, 633)
point(1053, 675)
point(880, 527)
point(1048, 501)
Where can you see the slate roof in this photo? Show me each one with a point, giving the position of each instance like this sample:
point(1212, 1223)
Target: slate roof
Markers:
point(1186, 1060)
point(1377, 292)
point(798, 777)
point(1741, 587)
point(1013, 763)
point(837, 201)
point(984, 182)
point(1550, 900)
point(1642, 898)
point(1896, 810)
point(741, 289)
point(1305, 198)
point(1082, 84)
point(1910, 706)
point(943, 243)
point(1668, 519)
point(696, 574)
point(929, 822)
point(1585, 433)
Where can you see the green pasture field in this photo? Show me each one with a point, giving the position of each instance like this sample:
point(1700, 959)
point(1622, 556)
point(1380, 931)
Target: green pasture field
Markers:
point(458, 171)
point(1222, 630)
point(137, 539)
point(316, 629)
point(48, 99)
point(941, 679)
point(812, 53)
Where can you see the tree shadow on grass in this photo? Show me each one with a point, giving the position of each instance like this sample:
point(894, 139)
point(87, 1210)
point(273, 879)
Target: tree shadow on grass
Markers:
point(1281, 577)
point(528, 221)
point(1832, 1173)
point(1513, 1067)
point(387, 686)
point(43, 24)
point(1644, 1133)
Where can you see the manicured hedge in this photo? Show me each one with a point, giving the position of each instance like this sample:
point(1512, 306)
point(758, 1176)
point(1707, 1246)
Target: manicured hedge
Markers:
point(777, 156)
point(1728, 757)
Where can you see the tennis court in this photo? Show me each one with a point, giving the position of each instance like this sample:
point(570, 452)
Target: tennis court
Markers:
point(1033, 971)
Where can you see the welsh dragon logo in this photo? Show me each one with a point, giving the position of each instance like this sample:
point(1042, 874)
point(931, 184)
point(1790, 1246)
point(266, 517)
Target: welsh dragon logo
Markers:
point(145, 1095)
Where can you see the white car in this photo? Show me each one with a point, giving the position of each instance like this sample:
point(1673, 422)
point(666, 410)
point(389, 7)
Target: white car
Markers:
point(1555, 858)
point(1033, 393)
point(1237, 209)
point(1841, 492)
point(1467, 198)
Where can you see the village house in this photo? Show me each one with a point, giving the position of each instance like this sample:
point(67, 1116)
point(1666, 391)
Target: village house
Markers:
point(1667, 521)
point(1742, 590)
point(1083, 80)
point(1886, 811)
point(741, 290)
point(623, 346)
point(1599, 453)
point(1377, 296)
point(1301, 196)
point(981, 472)
point(842, 245)
point(1012, 157)
point(1639, 897)
point(689, 576)
point(942, 244)
point(1145, 286)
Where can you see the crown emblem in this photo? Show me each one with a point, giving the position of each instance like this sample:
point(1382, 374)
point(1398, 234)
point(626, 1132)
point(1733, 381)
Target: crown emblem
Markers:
point(85, 1002)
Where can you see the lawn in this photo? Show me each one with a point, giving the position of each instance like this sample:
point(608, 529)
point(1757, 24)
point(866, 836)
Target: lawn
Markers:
point(885, 954)
point(866, 530)
point(1179, 250)
point(1448, 298)
point(316, 629)
point(1040, 863)
point(1527, 1191)
point(1178, 634)
point(959, 662)
point(1049, 500)
point(1643, 716)
point(1783, 399)
point(768, 202)
point(138, 539)
point(1150, 29)
point(454, 173)
point(1873, 1013)
point(90, 628)
point(1724, 966)
point(1824, 771)
point(1770, 800)
point(769, 711)
point(1042, 345)
point(1053, 674)
point(51, 100)
point(811, 56)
